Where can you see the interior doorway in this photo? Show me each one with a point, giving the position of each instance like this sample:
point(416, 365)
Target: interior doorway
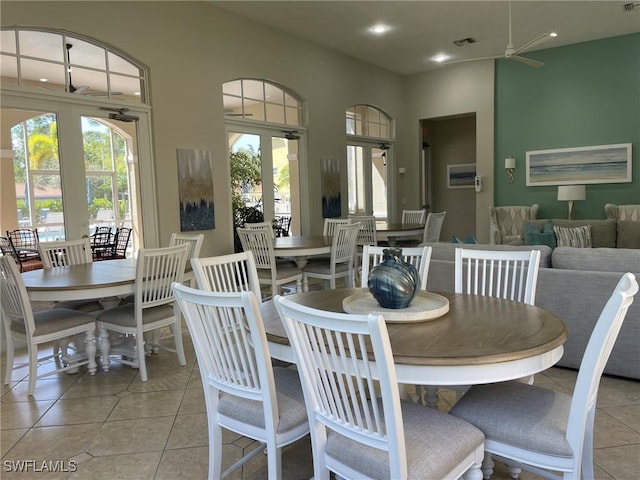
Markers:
point(446, 142)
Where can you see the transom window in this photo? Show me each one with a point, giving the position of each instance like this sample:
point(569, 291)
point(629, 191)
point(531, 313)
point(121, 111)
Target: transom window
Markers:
point(261, 101)
point(368, 121)
point(67, 63)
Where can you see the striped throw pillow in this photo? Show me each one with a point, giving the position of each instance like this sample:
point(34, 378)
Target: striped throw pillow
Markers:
point(573, 237)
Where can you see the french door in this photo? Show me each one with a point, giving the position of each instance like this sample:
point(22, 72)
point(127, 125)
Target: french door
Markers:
point(277, 195)
point(75, 169)
point(367, 179)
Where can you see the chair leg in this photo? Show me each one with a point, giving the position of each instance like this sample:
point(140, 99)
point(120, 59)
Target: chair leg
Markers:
point(177, 337)
point(487, 465)
point(274, 462)
point(142, 365)
point(587, 447)
point(10, 353)
point(215, 450)
point(33, 368)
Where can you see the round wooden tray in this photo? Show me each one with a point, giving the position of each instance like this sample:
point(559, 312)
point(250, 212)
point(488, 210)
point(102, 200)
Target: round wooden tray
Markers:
point(424, 306)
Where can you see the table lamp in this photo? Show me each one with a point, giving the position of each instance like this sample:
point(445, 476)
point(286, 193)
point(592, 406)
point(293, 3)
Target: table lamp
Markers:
point(570, 193)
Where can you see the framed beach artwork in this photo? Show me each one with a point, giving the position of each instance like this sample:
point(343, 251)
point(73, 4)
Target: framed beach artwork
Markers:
point(195, 186)
point(461, 175)
point(579, 165)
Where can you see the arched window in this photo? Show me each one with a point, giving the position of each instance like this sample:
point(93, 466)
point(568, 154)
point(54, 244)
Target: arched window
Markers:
point(369, 150)
point(77, 164)
point(261, 100)
point(265, 134)
point(64, 62)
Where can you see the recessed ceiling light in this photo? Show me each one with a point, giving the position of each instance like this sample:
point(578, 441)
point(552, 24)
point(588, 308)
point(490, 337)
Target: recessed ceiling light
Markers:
point(44, 79)
point(379, 29)
point(441, 57)
point(136, 93)
point(553, 34)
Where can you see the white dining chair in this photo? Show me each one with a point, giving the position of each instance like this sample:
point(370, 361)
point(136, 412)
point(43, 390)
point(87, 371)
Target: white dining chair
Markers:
point(330, 225)
point(69, 252)
point(258, 225)
point(359, 426)
point(341, 262)
point(62, 254)
point(259, 241)
point(235, 272)
point(536, 429)
point(243, 392)
point(419, 257)
point(153, 308)
point(194, 241)
point(38, 328)
point(433, 227)
point(414, 216)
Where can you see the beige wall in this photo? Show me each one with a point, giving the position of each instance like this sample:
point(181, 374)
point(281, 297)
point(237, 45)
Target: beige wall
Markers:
point(456, 90)
point(191, 48)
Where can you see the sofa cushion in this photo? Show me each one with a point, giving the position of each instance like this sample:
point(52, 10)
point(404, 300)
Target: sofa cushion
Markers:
point(534, 236)
point(628, 234)
point(603, 232)
point(597, 259)
point(447, 251)
point(573, 236)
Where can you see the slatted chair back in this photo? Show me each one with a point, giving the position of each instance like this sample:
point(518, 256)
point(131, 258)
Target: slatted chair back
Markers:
point(419, 257)
point(330, 225)
point(156, 270)
point(258, 225)
point(237, 375)
point(6, 248)
point(511, 275)
point(259, 241)
point(194, 241)
point(433, 227)
point(414, 216)
point(367, 235)
point(227, 273)
point(62, 254)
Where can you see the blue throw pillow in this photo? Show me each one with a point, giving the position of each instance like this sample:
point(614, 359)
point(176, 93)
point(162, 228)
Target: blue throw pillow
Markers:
point(534, 236)
point(455, 240)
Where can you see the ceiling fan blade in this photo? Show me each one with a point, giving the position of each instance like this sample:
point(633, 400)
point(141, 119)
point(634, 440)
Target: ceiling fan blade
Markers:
point(472, 60)
point(529, 61)
point(539, 38)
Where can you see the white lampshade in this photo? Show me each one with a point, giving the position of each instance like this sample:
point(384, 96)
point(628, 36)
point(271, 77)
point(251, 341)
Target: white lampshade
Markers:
point(572, 192)
point(510, 162)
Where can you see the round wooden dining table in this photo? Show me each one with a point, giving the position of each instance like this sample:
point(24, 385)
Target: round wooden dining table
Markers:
point(301, 247)
point(479, 340)
point(390, 232)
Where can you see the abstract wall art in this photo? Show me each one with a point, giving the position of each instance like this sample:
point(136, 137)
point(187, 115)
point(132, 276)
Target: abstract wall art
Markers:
point(330, 177)
point(195, 185)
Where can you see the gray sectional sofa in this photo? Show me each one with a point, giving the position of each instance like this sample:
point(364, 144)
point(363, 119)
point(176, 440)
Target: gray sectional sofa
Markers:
point(574, 284)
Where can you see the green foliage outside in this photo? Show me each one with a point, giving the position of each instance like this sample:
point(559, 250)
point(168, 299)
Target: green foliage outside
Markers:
point(245, 173)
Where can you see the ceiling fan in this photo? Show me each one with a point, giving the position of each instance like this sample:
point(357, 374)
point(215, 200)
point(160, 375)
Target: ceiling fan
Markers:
point(512, 53)
point(77, 90)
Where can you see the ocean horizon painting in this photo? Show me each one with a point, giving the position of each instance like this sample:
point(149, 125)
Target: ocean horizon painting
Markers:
point(579, 165)
point(195, 185)
point(461, 175)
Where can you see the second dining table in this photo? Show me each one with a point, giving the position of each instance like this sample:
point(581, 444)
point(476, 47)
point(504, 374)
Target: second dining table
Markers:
point(479, 340)
point(391, 232)
point(300, 247)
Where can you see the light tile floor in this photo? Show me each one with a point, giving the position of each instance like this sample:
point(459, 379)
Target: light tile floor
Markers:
point(115, 427)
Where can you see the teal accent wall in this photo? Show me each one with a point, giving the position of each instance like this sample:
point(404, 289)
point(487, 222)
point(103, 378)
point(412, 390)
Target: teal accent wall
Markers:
point(586, 94)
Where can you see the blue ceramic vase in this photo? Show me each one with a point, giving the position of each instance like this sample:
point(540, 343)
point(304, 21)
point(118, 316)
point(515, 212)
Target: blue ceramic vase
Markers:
point(394, 282)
